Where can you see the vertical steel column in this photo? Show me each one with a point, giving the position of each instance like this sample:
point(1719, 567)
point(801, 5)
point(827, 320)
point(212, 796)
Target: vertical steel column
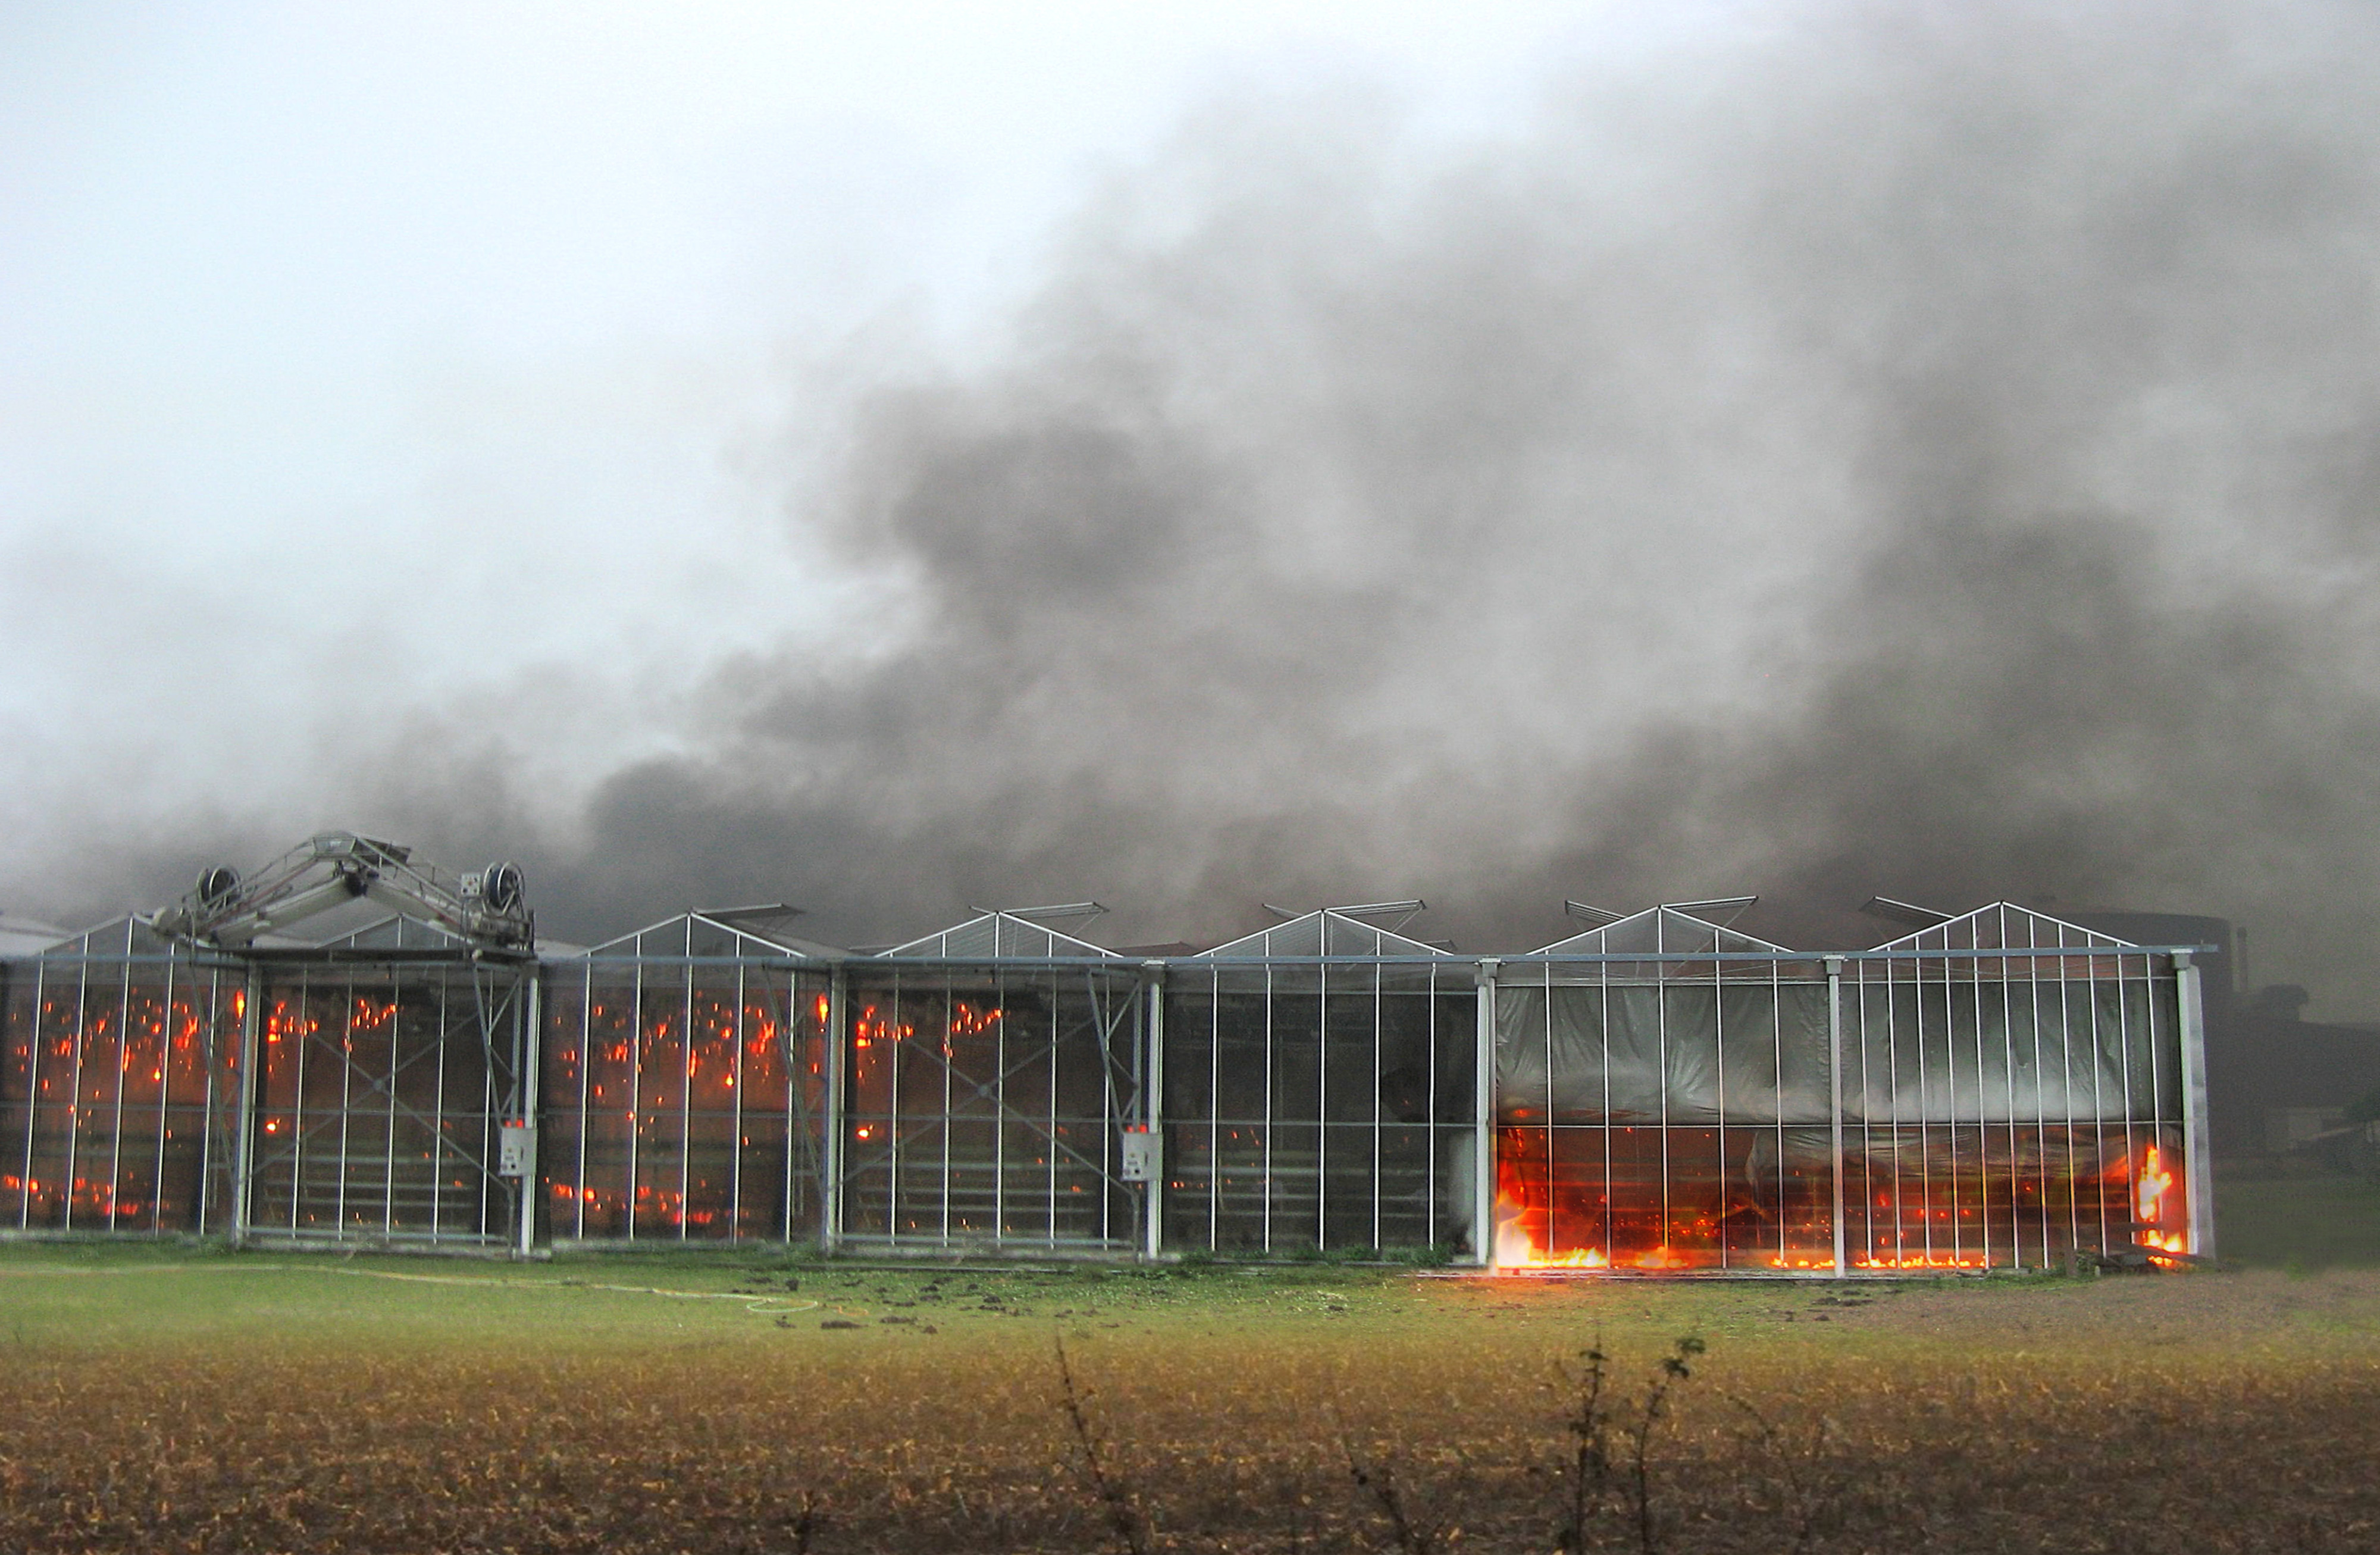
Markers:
point(243, 1122)
point(2201, 1169)
point(1000, 1216)
point(1050, 1127)
point(1322, 1089)
point(388, 1127)
point(123, 1064)
point(347, 1112)
point(1215, 1108)
point(949, 1010)
point(72, 1167)
point(1483, 1122)
point(636, 1090)
point(838, 998)
point(207, 1101)
point(1436, 1200)
point(585, 1120)
point(1835, 1099)
point(735, 1106)
point(685, 1087)
point(530, 1049)
point(1271, 1191)
point(1603, 1031)
point(1662, 1035)
point(1555, 1241)
point(438, 1151)
point(165, 1095)
point(1152, 1116)
point(1378, 994)
point(796, 1114)
point(33, 1095)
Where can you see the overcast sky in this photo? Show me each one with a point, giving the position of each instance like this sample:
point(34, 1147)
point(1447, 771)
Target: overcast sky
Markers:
point(890, 458)
point(360, 356)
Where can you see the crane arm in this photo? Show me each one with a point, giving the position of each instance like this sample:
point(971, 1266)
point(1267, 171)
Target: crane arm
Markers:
point(334, 869)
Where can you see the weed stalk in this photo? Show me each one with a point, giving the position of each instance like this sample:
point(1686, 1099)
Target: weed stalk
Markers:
point(1124, 1517)
point(1379, 1482)
point(1590, 1428)
point(1676, 1366)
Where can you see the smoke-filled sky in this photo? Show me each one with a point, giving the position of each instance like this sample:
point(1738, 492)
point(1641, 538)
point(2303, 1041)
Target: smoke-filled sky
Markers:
point(1198, 456)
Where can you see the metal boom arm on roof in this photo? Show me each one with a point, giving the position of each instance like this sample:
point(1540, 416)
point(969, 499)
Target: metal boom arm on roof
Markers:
point(329, 870)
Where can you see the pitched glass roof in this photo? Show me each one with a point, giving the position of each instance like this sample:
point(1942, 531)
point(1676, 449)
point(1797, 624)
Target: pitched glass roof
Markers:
point(1657, 931)
point(1327, 931)
point(992, 935)
point(742, 933)
point(2006, 926)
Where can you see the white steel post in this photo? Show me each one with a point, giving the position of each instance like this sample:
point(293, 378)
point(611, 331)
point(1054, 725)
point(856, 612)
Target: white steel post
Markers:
point(531, 1049)
point(1483, 1119)
point(1152, 1117)
point(243, 1127)
point(2199, 1165)
point(1834, 1099)
point(830, 1156)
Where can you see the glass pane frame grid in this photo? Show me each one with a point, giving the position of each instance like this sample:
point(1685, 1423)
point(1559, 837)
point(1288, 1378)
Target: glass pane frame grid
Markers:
point(2014, 1093)
point(118, 1056)
point(380, 1093)
point(2032, 1072)
point(2046, 1165)
point(1585, 1180)
point(985, 1099)
point(723, 1142)
point(1319, 1103)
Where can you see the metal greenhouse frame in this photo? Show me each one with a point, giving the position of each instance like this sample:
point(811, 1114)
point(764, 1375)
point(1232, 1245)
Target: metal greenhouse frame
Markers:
point(1659, 1092)
point(2000, 1089)
point(380, 1071)
point(117, 1068)
point(353, 1091)
point(1321, 1090)
point(990, 1079)
point(683, 1082)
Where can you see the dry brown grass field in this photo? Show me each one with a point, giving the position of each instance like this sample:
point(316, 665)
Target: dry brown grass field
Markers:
point(162, 1399)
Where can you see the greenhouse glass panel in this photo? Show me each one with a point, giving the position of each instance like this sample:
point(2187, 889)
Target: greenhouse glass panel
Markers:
point(986, 1104)
point(380, 1091)
point(2012, 1108)
point(684, 1085)
point(113, 1049)
point(1319, 1090)
point(1657, 1113)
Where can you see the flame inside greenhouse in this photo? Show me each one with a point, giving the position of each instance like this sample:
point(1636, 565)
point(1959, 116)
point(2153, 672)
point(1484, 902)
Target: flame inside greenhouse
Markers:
point(2155, 1182)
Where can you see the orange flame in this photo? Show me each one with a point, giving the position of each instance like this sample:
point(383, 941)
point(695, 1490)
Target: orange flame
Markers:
point(1516, 1249)
point(2154, 1183)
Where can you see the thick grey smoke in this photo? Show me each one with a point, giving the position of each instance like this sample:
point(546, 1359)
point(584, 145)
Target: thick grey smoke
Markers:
point(1920, 449)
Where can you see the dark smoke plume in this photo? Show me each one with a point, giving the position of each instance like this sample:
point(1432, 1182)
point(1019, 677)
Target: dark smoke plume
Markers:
point(1928, 449)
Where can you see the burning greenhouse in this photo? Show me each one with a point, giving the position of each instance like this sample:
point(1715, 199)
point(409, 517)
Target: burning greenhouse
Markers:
point(353, 1048)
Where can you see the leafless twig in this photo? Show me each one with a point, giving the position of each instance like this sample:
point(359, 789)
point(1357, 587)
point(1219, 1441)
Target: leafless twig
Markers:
point(1123, 1517)
point(1675, 1369)
point(1590, 1427)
